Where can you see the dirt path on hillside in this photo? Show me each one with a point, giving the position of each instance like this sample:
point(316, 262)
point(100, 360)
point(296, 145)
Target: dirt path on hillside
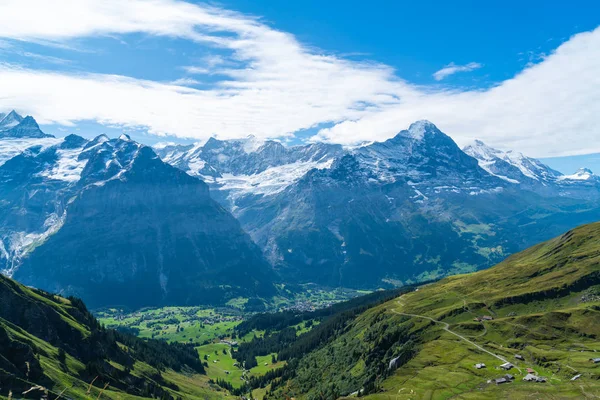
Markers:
point(446, 327)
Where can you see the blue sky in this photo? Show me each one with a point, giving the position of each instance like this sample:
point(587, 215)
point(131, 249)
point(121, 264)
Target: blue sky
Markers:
point(518, 76)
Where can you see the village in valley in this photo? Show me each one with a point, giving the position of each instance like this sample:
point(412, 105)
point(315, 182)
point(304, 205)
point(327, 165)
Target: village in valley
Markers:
point(211, 330)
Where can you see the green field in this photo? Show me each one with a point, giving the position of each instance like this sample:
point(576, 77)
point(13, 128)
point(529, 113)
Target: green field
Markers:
point(222, 366)
point(175, 324)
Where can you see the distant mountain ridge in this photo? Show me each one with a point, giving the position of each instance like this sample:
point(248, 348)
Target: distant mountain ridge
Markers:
point(411, 208)
point(107, 220)
point(13, 125)
point(330, 215)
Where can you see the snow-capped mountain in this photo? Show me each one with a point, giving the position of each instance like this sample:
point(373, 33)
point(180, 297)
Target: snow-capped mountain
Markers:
point(9, 120)
point(425, 158)
point(531, 174)
point(91, 217)
point(15, 126)
point(248, 167)
point(415, 206)
point(582, 174)
point(511, 166)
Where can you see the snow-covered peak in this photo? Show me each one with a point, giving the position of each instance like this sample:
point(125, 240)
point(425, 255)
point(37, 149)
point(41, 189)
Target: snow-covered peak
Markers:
point(163, 145)
point(97, 141)
point(503, 163)
point(125, 137)
point(417, 129)
point(582, 174)
point(26, 127)
point(251, 144)
point(482, 151)
point(10, 121)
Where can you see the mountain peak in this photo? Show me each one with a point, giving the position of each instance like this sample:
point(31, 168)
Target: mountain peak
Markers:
point(125, 137)
point(10, 120)
point(26, 127)
point(73, 142)
point(417, 129)
point(582, 174)
point(481, 151)
point(511, 166)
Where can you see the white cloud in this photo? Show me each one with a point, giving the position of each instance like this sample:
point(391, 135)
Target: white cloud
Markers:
point(452, 69)
point(185, 82)
point(270, 85)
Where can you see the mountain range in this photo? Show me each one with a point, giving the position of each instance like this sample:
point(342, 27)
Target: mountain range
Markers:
point(413, 207)
point(117, 222)
point(107, 220)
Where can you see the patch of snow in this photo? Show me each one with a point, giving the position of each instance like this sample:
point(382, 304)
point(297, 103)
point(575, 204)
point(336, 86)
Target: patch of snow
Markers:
point(195, 165)
point(23, 242)
point(252, 144)
point(10, 148)
point(582, 174)
point(477, 191)
point(269, 182)
point(67, 167)
point(419, 194)
point(507, 179)
point(162, 145)
point(417, 129)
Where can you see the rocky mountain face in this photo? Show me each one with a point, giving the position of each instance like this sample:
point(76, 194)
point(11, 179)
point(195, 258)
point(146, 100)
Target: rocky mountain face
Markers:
point(239, 170)
point(101, 217)
point(411, 208)
point(13, 125)
point(108, 221)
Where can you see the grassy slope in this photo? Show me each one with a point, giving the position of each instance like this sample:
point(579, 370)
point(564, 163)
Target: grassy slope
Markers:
point(191, 386)
point(546, 306)
point(535, 298)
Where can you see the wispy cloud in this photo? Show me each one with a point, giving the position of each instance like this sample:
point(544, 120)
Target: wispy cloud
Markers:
point(267, 83)
point(193, 70)
point(185, 82)
point(452, 69)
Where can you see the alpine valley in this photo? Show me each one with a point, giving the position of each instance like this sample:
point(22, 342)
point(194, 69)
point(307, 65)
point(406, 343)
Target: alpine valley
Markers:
point(116, 222)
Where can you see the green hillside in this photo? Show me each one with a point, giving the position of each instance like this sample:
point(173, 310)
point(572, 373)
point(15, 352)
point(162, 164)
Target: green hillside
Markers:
point(544, 305)
point(53, 345)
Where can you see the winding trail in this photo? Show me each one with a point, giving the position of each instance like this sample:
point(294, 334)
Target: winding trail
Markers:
point(446, 327)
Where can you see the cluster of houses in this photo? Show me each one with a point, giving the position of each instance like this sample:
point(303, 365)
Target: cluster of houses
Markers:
point(231, 343)
point(302, 306)
point(507, 366)
point(531, 376)
point(483, 318)
point(505, 379)
point(215, 319)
